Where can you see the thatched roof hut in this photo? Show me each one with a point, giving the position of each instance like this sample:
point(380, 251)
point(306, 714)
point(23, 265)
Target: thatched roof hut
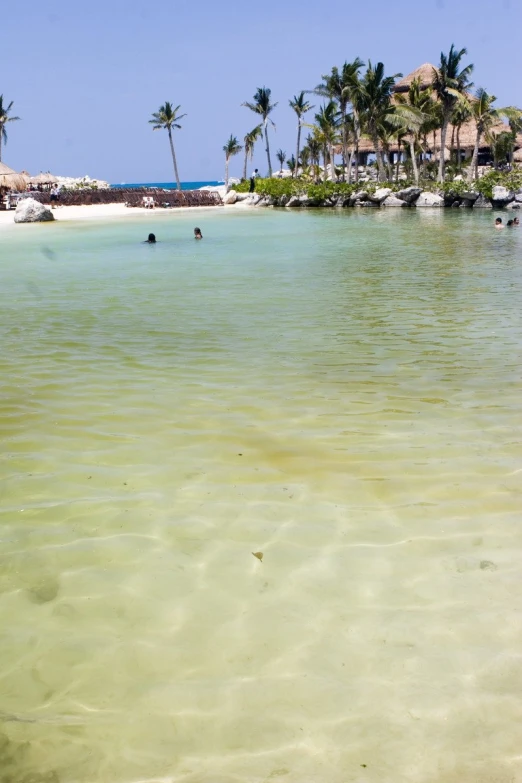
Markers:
point(10, 179)
point(467, 133)
point(423, 72)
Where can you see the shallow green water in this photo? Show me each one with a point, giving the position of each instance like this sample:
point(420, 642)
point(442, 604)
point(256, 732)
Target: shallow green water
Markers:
point(339, 391)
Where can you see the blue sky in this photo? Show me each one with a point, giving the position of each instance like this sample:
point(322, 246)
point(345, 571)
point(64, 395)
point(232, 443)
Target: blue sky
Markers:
point(86, 76)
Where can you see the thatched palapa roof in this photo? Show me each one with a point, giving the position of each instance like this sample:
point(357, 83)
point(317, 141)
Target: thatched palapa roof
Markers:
point(423, 72)
point(467, 133)
point(10, 179)
point(43, 179)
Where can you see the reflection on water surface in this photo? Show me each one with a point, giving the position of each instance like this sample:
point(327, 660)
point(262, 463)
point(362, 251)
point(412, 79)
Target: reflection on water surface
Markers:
point(337, 391)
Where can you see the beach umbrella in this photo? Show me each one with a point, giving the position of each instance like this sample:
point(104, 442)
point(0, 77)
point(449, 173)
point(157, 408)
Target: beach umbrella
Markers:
point(43, 179)
point(10, 179)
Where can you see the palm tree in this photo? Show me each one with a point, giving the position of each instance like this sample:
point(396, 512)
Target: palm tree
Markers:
point(291, 163)
point(264, 108)
point(412, 112)
point(327, 120)
point(450, 83)
point(500, 145)
point(281, 156)
point(375, 101)
point(232, 147)
point(4, 119)
point(300, 105)
point(459, 116)
point(343, 86)
point(485, 116)
point(167, 118)
point(249, 142)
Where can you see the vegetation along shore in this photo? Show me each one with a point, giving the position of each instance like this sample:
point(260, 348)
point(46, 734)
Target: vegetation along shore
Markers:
point(430, 139)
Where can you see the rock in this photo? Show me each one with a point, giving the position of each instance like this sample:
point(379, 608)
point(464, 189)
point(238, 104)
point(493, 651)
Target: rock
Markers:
point(482, 203)
point(427, 199)
point(361, 195)
point(380, 195)
point(29, 210)
point(470, 195)
point(468, 202)
point(243, 196)
point(518, 197)
point(456, 203)
point(293, 201)
point(513, 205)
point(502, 196)
point(282, 201)
point(393, 201)
point(373, 204)
point(230, 197)
point(409, 194)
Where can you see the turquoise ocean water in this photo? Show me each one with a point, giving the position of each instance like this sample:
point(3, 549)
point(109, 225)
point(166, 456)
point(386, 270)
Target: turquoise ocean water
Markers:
point(167, 185)
point(339, 391)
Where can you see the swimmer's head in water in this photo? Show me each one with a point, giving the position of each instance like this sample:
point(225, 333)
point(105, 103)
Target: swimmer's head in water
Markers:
point(498, 221)
point(151, 238)
point(197, 233)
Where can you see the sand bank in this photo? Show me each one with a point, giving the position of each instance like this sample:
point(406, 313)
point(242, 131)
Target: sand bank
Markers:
point(108, 211)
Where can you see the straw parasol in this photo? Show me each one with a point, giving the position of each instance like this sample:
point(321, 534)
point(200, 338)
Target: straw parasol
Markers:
point(43, 178)
point(10, 179)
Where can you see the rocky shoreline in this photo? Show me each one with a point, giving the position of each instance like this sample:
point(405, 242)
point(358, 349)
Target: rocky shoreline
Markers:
point(411, 196)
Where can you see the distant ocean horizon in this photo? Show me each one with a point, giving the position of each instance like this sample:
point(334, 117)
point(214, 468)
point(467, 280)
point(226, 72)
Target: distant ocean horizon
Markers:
point(167, 185)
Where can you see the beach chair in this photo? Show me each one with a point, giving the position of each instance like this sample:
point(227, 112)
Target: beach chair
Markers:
point(148, 202)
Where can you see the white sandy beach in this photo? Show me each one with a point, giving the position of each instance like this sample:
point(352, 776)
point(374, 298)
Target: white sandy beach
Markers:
point(108, 211)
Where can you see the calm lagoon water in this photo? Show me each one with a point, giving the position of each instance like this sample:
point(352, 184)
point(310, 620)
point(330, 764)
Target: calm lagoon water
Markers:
point(339, 391)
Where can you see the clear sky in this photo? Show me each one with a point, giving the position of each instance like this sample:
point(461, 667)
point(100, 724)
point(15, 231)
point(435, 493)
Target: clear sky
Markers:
point(85, 77)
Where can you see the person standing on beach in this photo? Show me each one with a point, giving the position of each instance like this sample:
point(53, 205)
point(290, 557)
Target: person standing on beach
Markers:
point(55, 195)
point(253, 178)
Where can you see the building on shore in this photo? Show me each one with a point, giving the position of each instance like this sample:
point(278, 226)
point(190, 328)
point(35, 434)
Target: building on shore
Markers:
point(459, 141)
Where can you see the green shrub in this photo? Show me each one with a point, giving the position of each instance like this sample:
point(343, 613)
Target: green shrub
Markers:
point(512, 180)
point(241, 187)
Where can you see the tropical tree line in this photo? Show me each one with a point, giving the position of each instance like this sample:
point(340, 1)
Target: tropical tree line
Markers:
point(358, 101)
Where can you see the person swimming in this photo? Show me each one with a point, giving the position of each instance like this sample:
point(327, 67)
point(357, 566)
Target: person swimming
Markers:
point(516, 222)
point(510, 223)
point(197, 233)
point(151, 240)
point(498, 223)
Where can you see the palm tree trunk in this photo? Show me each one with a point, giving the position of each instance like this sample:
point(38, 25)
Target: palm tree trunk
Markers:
point(267, 149)
point(452, 143)
point(459, 165)
point(399, 140)
point(357, 134)
point(294, 173)
point(178, 183)
point(1, 135)
point(414, 161)
point(350, 164)
point(473, 169)
point(443, 132)
point(332, 163)
point(245, 163)
point(345, 141)
point(378, 156)
point(226, 171)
